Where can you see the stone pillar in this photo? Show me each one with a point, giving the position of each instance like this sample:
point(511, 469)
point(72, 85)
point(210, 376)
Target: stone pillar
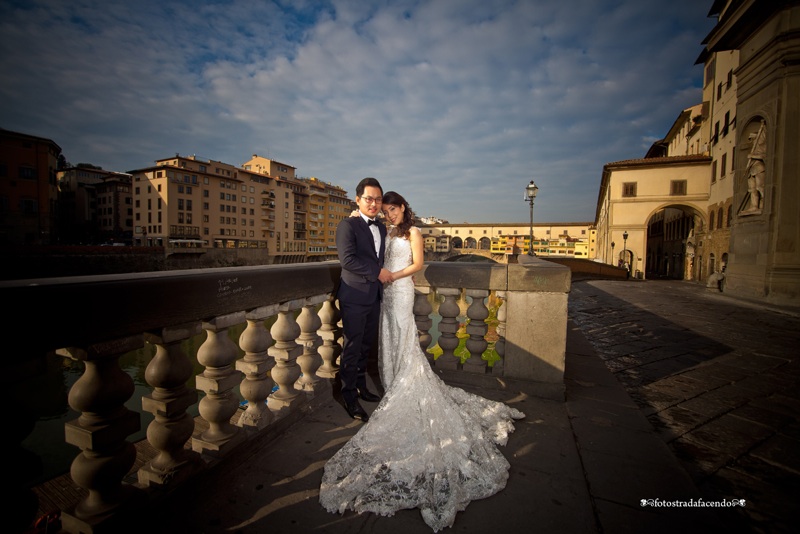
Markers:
point(218, 355)
point(106, 456)
point(448, 327)
point(172, 427)
point(331, 334)
point(476, 344)
point(285, 351)
point(536, 330)
point(422, 318)
point(310, 360)
point(256, 364)
point(500, 345)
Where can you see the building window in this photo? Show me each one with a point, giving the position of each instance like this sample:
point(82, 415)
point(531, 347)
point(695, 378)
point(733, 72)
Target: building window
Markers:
point(29, 206)
point(629, 189)
point(722, 166)
point(711, 221)
point(710, 72)
point(719, 218)
point(677, 187)
point(713, 171)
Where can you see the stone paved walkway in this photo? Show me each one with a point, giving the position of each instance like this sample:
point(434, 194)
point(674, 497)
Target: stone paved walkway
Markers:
point(718, 379)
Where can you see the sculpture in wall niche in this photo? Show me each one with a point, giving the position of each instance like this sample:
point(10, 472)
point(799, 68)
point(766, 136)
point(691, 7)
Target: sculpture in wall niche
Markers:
point(753, 202)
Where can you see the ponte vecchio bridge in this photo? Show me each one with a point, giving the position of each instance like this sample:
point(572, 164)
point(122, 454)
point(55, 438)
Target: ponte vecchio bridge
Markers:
point(498, 241)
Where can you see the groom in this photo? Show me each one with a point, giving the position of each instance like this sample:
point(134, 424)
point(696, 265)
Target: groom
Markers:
point(360, 244)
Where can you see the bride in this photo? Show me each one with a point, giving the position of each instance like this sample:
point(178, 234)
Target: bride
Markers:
point(427, 445)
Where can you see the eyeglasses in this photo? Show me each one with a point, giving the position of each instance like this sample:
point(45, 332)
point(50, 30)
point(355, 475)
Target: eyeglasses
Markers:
point(371, 200)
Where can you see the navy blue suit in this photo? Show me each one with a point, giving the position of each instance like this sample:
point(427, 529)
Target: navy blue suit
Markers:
point(360, 293)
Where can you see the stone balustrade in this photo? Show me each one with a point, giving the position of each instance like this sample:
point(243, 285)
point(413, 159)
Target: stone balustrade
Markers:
point(99, 318)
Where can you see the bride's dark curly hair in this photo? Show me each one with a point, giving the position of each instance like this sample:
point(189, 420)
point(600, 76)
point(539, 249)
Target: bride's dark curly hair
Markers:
point(396, 199)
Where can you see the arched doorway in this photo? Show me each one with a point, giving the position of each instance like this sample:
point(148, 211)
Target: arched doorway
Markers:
point(672, 242)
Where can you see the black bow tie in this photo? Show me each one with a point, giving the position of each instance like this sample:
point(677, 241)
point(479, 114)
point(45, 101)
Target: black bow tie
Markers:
point(370, 222)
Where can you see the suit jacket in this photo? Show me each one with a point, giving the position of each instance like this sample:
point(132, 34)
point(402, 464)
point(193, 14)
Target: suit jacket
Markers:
point(360, 264)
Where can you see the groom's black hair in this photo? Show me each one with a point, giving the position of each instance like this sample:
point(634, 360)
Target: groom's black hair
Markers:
point(367, 182)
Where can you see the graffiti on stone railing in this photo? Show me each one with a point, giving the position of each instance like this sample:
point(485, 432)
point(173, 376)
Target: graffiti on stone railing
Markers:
point(228, 286)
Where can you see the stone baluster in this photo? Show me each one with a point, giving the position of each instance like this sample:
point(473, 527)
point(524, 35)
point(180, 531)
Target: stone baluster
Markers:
point(256, 364)
point(331, 334)
point(477, 328)
point(310, 360)
point(500, 344)
point(218, 355)
point(422, 317)
point(100, 431)
point(172, 427)
point(448, 327)
point(285, 351)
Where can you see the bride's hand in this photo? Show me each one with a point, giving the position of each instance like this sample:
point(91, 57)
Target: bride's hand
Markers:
point(354, 213)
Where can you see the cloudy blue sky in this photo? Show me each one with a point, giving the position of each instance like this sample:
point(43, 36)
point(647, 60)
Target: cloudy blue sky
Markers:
point(457, 104)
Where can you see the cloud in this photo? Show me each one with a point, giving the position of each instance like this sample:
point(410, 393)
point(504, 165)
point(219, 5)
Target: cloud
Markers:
point(456, 105)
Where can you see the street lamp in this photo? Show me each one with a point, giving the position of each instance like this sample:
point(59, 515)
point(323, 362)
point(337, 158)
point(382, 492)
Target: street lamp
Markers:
point(612, 252)
point(530, 195)
point(625, 244)
point(628, 265)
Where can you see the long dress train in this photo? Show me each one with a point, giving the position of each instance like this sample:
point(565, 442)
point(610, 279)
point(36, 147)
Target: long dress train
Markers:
point(427, 445)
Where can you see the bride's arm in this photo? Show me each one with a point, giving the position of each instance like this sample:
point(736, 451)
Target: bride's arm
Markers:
point(417, 254)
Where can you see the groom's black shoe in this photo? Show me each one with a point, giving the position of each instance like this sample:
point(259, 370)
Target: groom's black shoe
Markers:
point(355, 411)
point(367, 395)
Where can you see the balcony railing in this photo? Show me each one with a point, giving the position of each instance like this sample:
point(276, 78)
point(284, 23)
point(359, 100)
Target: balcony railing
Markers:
point(98, 319)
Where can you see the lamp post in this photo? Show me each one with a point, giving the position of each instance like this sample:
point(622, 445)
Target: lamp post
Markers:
point(625, 251)
point(612, 252)
point(625, 244)
point(530, 195)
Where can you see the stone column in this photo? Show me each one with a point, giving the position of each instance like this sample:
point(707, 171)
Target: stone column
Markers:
point(422, 317)
point(331, 334)
point(172, 427)
point(500, 344)
point(256, 364)
point(448, 327)
point(310, 360)
point(285, 351)
point(476, 344)
point(218, 355)
point(100, 431)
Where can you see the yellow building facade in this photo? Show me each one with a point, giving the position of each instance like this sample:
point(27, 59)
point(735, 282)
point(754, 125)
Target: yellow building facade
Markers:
point(559, 239)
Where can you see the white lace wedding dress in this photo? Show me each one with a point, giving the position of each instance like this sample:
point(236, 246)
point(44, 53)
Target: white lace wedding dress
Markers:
point(427, 445)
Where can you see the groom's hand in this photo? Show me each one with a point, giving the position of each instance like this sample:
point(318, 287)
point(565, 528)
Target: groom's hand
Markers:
point(385, 276)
